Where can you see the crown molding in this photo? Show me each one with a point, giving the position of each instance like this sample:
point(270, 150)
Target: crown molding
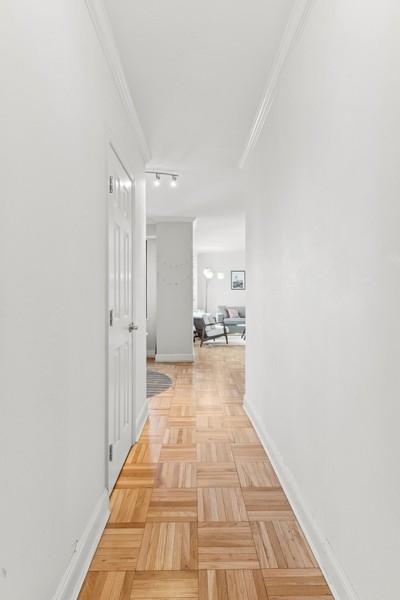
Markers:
point(104, 32)
point(293, 29)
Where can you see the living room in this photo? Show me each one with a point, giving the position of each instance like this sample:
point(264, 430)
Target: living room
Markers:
point(220, 311)
point(197, 275)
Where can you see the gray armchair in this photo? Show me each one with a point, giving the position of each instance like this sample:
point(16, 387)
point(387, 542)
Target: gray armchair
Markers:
point(207, 329)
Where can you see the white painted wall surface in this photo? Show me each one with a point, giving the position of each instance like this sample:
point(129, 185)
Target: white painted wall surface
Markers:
point(219, 291)
point(323, 241)
point(151, 296)
point(174, 291)
point(57, 104)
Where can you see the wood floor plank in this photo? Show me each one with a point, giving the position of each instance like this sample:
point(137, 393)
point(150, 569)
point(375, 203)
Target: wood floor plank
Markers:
point(226, 546)
point(256, 474)
point(137, 475)
point(267, 504)
point(107, 586)
point(143, 453)
point(164, 585)
point(281, 544)
point(248, 452)
point(178, 453)
point(168, 546)
point(221, 504)
point(234, 410)
point(214, 435)
point(212, 452)
point(296, 584)
point(217, 475)
point(118, 549)
point(234, 584)
point(180, 435)
point(173, 505)
point(245, 435)
point(176, 475)
point(129, 506)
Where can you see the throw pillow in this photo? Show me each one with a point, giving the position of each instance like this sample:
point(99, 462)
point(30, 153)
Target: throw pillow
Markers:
point(233, 313)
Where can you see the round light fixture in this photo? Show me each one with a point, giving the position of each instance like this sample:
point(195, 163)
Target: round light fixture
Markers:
point(208, 274)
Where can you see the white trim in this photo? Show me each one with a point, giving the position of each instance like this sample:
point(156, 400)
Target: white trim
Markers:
point(71, 583)
point(104, 32)
point(151, 353)
point(153, 220)
point(175, 358)
point(141, 419)
point(294, 26)
point(337, 580)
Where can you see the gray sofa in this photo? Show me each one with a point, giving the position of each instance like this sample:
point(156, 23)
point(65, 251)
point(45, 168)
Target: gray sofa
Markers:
point(233, 324)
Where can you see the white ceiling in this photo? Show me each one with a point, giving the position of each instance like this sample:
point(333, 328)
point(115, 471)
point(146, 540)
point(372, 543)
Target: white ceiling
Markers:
point(196, 72)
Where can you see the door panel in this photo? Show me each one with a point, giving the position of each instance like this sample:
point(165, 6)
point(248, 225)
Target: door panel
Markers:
point(120, 393)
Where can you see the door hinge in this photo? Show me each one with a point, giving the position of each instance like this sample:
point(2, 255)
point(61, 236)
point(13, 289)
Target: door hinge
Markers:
point(111, 317)
point(111, 184)
point(110, 452)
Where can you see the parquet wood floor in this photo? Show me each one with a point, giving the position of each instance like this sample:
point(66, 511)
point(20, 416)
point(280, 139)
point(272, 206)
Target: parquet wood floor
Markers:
point(198, 511)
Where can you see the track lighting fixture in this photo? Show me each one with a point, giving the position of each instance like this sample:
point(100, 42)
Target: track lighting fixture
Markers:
point(157, 180)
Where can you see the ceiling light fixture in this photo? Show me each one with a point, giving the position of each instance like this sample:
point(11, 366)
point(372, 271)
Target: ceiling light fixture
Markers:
point(157, 180)
point(220, 275)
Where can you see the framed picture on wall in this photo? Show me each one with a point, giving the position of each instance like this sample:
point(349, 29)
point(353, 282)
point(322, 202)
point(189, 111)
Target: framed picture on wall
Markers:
point(238, 280)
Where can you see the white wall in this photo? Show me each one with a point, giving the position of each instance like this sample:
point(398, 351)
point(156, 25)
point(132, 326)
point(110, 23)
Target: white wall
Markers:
point(174, 291)
point(219, 291)
point(323, 335)
point(57, 105)
point(151, 295)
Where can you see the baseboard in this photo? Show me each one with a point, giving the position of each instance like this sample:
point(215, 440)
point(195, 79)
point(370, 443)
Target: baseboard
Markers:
point(71, 583)
point(141, 419)
point(337, 579)
point(175, 358)
point(150, 353)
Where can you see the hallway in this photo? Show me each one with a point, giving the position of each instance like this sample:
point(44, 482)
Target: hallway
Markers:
point(197, 511)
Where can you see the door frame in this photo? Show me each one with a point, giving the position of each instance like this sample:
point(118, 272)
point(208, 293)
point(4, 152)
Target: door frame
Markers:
point(112, 148)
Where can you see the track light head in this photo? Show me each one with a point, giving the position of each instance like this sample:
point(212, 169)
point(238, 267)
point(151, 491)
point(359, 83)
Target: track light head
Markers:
point(174, 181)
point(157, 180)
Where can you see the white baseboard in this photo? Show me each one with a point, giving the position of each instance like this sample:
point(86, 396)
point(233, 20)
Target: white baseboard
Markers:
point(141, 419)
point(150, 353)
point(71, 583)
point(175, 358)
point(337, 579)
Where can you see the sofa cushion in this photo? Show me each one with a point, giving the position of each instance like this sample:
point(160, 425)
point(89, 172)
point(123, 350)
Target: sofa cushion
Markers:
point(235, 321)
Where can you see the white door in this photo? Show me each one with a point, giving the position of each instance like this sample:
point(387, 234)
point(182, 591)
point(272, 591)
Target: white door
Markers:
point(121, 327)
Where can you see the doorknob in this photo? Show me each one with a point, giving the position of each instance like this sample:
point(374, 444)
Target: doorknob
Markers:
point(132, 327)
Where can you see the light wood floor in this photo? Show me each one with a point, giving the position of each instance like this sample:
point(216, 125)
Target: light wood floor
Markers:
point(198, 511)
